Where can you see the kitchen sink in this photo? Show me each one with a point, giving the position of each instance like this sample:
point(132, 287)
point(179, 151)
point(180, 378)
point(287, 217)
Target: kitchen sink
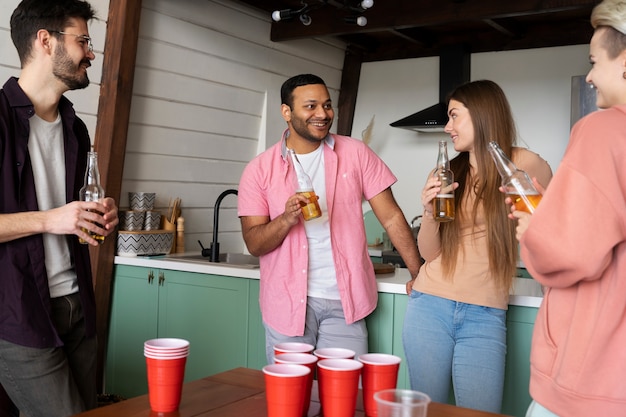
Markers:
point(234, 259)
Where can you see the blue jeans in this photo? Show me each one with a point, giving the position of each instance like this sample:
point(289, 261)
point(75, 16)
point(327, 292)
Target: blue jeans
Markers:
point(325, 327)
point(53, 382)
point(446, 341)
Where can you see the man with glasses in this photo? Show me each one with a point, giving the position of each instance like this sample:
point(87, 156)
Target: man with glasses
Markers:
point(47, 303)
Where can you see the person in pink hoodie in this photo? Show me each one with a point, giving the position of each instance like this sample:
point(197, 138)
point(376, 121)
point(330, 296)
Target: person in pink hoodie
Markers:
point(575, 246)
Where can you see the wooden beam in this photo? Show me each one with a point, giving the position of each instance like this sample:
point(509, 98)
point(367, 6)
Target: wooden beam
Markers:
point(350, 76)
point(116, 89)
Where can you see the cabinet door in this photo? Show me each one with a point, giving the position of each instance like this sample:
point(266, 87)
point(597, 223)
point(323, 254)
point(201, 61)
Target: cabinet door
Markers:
point(384, 327)
point(520, 322)
point(256, 331)
point(133, 321)
point(211, 312)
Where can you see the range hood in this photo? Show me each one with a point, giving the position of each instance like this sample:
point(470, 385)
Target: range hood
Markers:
point(454, 70)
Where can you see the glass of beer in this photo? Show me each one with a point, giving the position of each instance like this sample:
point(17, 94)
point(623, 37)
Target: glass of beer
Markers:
point(310, 210)
point(525, 202)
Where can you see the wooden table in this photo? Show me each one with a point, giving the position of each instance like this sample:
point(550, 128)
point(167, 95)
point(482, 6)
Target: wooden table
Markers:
point(240, 392)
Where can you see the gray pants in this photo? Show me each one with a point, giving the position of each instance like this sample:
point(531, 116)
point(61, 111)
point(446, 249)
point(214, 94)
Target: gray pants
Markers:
point(53, 382)
point(325, 327)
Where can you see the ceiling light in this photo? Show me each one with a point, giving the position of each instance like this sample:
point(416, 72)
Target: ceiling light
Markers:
point(279, 15)
point(305, 19)
point(350, 6)
point(356, 20)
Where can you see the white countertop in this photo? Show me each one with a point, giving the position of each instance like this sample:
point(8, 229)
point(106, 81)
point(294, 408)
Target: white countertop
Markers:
point(526, 292)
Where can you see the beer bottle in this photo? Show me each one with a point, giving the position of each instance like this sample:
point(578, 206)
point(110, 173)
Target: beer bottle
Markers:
point(92, 190)
point(310, 210)
point(443, 204)
point(516, 183)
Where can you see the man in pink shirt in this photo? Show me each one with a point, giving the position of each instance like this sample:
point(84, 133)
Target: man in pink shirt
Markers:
point(317, 280)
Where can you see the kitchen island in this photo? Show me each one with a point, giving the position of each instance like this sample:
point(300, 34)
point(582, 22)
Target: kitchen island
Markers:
point(216, 308)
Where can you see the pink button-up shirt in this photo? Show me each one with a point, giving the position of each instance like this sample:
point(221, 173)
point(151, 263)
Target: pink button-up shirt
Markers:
point(353, 172)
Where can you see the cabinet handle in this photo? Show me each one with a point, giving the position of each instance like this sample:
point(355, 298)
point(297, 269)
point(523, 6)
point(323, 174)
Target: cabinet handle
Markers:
point(161, 278)
point(150, 277)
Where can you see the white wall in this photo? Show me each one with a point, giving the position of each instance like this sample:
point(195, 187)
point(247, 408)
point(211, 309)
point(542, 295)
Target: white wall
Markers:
point(536, 82)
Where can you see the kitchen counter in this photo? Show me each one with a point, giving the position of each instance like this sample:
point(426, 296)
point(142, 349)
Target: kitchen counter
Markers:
point(526, 291)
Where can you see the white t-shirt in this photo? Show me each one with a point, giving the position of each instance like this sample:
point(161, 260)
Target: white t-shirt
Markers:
point(46, 148)
point(322, 279)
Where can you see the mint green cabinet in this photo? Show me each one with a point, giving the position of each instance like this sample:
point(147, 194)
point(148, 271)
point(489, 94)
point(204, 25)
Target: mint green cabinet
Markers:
point(520, 321)
point(384, 327)
point(385, 335)
point(215, 313)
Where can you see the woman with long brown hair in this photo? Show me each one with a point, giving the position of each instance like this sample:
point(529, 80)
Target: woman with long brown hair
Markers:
point(455, 324)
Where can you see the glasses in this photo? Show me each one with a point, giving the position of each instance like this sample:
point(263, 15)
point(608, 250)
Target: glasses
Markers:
point(86, 39)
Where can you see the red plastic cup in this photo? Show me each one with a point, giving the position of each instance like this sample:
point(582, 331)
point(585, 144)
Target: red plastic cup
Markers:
point(165, 383)
point(292, 347)
point(285, 389)
point(334, 353)
point(380, 372)
point(338, 381)
point(307, 360)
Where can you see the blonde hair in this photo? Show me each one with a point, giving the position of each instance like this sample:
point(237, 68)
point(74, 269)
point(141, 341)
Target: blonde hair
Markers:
point(611, 14)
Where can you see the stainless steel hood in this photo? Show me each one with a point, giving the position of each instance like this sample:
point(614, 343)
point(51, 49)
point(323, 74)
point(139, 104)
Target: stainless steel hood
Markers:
point(454, 70)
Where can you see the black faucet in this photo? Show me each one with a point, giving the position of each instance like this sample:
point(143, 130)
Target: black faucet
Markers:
point(214, 251)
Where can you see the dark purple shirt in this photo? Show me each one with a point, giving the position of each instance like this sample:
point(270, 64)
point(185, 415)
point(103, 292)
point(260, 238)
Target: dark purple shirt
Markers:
point(24, 293)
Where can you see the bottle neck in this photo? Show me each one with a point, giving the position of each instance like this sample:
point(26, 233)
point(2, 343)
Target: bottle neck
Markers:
point(504, 165)
point(92, 175)
point(442, 158)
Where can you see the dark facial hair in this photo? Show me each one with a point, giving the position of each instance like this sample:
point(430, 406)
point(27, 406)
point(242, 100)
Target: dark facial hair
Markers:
point(67, 71)
point(300, 126)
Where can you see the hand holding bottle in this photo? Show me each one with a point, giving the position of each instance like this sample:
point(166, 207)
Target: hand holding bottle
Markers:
point(310, 208)
point(515, 183)
point(432, 188)
point(443, 202)
point(522, 216)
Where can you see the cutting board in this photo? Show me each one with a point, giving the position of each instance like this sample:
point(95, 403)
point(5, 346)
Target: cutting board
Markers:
point(384, 269)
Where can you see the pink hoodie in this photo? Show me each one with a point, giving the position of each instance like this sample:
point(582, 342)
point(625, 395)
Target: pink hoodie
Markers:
point(576, 246)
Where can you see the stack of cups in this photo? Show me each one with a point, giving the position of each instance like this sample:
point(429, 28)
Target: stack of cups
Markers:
point(165, 362)
point(285, 389)
point(338, 381)
point(380, 372)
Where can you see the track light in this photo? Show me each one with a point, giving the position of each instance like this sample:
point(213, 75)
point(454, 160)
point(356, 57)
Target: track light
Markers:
point(305, 18)
point(356, 20)
point(279, 15)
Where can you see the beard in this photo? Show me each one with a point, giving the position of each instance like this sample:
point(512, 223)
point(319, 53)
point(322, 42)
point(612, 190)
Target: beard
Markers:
point(68, 72)
point(300, 126)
